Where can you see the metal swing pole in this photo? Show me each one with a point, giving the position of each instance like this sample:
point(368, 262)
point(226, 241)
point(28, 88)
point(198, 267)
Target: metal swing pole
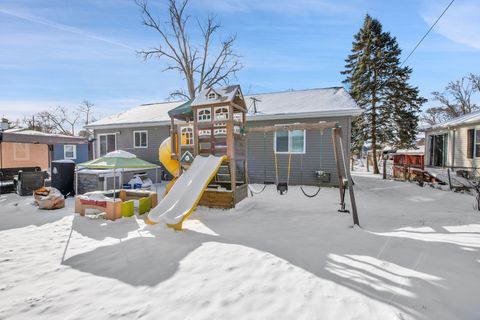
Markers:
point(341, 186)
point(356, 221)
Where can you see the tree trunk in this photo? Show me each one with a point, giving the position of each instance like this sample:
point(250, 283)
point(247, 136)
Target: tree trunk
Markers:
point(374, 123)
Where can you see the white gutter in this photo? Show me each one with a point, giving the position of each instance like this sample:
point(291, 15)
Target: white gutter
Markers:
point(317, 114)
point(127, 125)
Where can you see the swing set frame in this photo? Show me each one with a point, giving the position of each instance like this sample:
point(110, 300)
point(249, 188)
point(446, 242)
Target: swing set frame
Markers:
point(345, 182)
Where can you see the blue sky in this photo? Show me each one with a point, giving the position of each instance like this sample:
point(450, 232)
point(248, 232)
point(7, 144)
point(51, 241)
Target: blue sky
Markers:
point(59, 52)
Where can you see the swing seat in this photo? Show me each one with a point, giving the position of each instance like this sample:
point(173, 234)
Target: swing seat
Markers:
point(282, 188)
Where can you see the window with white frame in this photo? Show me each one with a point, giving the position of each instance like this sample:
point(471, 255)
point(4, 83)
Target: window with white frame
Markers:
point(212, 95)
point(140, 139)
point(204, 115)
point(221, 113)
point(220, 132)
point(204, 132)
point(69, 152)
point(238, 117)
point(187, 136)
point(289, 141)
point(107, 143)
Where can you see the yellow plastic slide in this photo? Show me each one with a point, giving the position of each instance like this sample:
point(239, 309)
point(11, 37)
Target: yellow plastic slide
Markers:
point(168, 163)
point(187, 190)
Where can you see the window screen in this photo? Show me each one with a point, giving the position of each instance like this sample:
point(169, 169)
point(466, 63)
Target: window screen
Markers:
point(470, 143)
point(281, 142)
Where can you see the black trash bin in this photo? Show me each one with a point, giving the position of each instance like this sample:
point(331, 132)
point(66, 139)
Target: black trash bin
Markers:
point(63, 172)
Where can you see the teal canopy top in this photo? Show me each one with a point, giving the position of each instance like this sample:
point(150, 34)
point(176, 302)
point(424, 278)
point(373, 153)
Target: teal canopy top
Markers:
point(182, 112)
point(118, 160)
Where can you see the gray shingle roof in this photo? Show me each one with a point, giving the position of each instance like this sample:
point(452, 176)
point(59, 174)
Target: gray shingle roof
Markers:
point(326, 102)
point(223, 95)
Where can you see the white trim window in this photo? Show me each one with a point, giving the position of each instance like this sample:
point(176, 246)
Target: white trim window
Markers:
point(221, 113)
point(204, 115)
point(187, 136)
point(204, 132)
point(107, 142)
point(220, 132)
point(140, 139)
point(290, 141)
point(70, 152)
point(238, 117)
point(212, 95)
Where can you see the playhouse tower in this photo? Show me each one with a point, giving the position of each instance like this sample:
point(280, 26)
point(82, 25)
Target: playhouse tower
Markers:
point(214, 124)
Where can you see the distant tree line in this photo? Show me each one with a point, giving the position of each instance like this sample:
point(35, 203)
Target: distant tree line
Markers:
point(60, 119)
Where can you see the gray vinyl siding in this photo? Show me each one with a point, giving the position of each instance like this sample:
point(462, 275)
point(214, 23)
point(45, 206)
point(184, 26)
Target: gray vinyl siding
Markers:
point(156, 135)
point(319, 154)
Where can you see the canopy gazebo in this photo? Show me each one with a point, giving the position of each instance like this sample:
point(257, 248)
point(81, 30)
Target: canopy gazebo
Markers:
point(117, 160)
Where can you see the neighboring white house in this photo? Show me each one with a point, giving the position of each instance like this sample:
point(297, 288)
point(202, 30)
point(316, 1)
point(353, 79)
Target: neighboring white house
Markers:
point(455, 143)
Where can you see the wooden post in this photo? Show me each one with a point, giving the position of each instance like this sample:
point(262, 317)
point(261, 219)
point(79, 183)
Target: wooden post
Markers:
point(368, 166)
point(449, 179)
point(172, 139)
point(339, 173)
point(353, 203)
point(231, 153)
point(384, 167)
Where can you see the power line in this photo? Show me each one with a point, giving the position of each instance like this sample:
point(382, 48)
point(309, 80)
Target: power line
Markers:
point(426, 34)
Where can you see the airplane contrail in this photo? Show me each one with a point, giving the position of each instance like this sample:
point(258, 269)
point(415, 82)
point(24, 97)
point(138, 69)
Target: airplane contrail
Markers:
point(64, 27)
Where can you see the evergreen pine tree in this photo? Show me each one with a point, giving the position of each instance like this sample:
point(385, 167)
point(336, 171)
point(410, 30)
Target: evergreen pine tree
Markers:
point(380, 87)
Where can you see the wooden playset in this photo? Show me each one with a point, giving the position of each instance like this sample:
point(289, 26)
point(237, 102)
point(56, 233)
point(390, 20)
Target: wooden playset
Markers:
point(214, 124)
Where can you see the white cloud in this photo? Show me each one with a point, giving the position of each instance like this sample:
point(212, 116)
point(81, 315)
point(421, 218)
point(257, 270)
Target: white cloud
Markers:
point(62, 27)
point(279, 6)
point(461, 23)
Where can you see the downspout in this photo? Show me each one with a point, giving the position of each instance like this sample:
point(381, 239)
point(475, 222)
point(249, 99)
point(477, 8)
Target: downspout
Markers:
point(453, 148)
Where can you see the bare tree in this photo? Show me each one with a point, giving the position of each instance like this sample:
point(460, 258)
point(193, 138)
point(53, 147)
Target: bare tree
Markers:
point(201, 66)
point(455, 100)
point(434, 115)
point(61, 119)
point(475, 80)
point(86, 107)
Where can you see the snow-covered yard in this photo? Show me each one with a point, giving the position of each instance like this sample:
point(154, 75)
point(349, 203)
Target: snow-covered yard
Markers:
point(273, 257)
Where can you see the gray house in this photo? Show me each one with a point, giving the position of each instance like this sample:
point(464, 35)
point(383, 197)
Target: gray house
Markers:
point(142, 129)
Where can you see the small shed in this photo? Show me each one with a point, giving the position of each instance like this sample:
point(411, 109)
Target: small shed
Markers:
point(408, 164)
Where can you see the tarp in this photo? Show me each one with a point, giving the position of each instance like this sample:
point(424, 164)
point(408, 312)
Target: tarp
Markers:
point(182, 112)
point(118, 160)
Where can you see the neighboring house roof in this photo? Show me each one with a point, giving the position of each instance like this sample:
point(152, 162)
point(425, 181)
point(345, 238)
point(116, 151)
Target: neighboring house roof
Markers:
point(470, 118)
point(31, 136)
point(153, 114)
point(321, 102)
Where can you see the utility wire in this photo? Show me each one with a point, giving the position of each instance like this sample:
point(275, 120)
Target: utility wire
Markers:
point(426, 34)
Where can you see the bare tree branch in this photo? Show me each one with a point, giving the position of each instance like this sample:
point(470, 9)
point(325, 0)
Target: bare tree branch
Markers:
point(199, 66)
point(454, 101)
